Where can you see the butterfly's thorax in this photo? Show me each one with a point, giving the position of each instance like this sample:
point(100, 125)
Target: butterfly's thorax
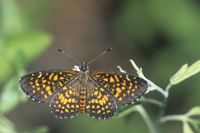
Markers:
point(82, 97)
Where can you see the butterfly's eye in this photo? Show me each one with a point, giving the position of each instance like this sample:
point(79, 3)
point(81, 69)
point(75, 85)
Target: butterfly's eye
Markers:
point(83, 67)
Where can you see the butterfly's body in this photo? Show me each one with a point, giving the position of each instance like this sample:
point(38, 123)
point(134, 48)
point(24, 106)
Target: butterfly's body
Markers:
point(83, 91)
point(80, 90)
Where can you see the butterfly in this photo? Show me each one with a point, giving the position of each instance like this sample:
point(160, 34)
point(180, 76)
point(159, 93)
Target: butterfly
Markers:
point(95, 92)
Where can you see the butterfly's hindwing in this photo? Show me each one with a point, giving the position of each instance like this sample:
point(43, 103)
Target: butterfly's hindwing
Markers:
point(65, 104)
point(99, 104)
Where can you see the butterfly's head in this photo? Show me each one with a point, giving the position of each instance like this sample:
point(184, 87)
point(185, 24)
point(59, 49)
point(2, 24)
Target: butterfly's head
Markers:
point(84, 67)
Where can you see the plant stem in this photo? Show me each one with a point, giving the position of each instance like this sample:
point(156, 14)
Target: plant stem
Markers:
point(156, 87)
point(152, 87)
point(167, 89)
point(146, 117)
point(162, 109)
point(173, 118)
point(152, 101)
point(140, 74)
point(140, 109)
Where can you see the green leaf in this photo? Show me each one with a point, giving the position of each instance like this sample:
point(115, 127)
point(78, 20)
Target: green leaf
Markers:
point(10, 95)
point(5, 69)
point(19, 43)
point(41, 129)
point(187, 128)
point(11, 22)
point(121, 70)
point(21, 49)
point(6, 126)
point(194, 111)
point(179, 73)
point(185, 72)
point(31, 43)
point(135, 66)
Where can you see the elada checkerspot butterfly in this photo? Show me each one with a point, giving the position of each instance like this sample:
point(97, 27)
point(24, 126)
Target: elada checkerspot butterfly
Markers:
point(81, 90)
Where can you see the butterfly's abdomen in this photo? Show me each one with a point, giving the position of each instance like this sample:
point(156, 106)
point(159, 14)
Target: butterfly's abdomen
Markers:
point(82, 96)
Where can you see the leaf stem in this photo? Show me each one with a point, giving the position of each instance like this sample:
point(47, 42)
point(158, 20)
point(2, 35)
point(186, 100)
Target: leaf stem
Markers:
point(167, 90)
point(173, 118)
point(162, 109)
point(146, 117)
point(140, 109)
point(183, 73)
point(152, 85)
point(152, 101)
point(155, 87)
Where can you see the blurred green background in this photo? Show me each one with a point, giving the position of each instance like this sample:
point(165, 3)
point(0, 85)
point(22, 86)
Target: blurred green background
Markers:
point(160, 36)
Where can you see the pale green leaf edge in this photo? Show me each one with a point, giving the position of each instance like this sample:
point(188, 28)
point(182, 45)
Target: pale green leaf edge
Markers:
point(184, 73)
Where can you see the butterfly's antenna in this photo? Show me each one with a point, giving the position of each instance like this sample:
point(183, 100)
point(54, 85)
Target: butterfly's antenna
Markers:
point(68, 55)
point(99, 55)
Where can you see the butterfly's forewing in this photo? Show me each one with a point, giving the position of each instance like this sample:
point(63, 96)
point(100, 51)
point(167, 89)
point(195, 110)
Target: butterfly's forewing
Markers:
point(65, 104)
point(40, 85)
point(125, 88)
point(99, 104)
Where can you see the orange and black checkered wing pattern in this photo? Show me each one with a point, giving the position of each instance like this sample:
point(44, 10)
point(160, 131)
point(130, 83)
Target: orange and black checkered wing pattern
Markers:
point(40, 85)
point(125, 88)
point(65, 104)
point(99, 103)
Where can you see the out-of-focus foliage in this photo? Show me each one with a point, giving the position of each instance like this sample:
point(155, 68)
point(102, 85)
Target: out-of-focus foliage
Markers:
point(186, 119)
point(177, 21)
point(19, 44)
